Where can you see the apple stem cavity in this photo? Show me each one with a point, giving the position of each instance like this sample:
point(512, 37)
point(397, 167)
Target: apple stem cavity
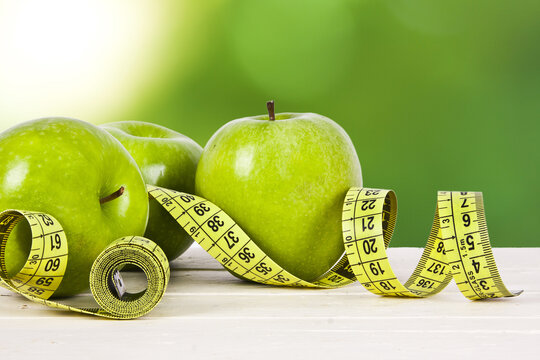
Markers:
point(112, 196)
point(271, 113)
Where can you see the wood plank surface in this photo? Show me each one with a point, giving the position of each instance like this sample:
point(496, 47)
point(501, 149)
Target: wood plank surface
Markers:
point(208, 314)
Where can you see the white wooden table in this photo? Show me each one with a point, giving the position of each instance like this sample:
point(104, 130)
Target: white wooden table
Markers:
point(207, 313)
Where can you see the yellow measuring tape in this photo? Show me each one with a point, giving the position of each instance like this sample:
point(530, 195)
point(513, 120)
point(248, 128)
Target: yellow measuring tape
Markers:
point(458, 247)
point(41, 275)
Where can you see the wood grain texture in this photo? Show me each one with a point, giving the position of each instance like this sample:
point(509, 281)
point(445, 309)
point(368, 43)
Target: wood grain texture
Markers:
point(207, 313)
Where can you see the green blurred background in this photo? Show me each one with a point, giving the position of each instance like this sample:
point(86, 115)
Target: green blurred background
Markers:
point(436, 95)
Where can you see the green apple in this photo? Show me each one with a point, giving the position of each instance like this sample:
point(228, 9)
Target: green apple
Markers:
point(166, 158)
point(283, 179)
point(82, 176)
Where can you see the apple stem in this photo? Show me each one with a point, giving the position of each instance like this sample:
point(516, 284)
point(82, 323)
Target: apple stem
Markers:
point(270, 107)
point(112, 196)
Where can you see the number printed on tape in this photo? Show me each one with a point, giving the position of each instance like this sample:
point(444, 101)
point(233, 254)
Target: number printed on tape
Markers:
point(459, 232)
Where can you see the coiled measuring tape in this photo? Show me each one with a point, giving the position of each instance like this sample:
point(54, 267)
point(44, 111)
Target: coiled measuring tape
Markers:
point(458, 247)
point(39, 278)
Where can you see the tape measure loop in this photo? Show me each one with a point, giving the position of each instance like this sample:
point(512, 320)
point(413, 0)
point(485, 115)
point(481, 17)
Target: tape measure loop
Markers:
point(45, 266)
point(369, 218)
